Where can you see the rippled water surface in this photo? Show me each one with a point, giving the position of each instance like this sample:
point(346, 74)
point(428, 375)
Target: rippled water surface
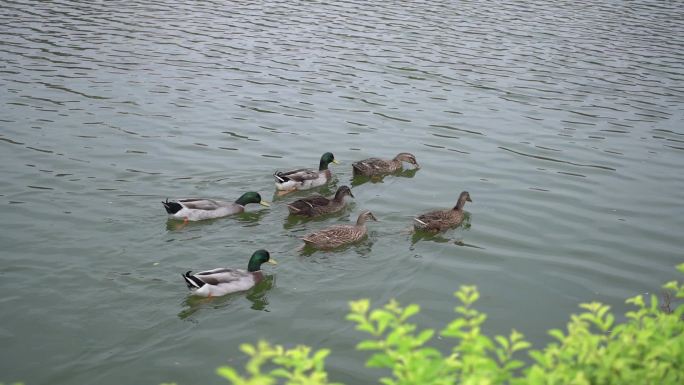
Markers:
point(563, 120)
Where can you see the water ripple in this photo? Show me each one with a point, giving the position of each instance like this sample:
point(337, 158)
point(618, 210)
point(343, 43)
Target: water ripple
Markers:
point(562, 119)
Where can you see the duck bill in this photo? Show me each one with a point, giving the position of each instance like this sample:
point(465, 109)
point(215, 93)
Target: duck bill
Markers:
point(336, 161)
point(469, 200)
point(272, 261)
point(264, 203)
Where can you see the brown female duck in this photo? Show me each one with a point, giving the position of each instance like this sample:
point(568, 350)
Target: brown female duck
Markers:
point(376, 166)
point(316, 205)
point(440, 220)
point(339, 235)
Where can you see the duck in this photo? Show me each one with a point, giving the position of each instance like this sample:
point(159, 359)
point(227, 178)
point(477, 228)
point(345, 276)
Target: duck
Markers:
point(339, 235)
point(441, 220)
point(197, 209)
point(222, 281)
point(317, 205)
point(376, 166)
point(305, 178)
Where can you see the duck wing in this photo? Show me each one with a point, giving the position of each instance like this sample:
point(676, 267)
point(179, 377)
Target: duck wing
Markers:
point(299, 175)
point(312, 201)
point(306, 205)
point(201, 204)
point(334, 235)
point(437, 215)
point(437, 220)
point(370, 165)
point(214, 277)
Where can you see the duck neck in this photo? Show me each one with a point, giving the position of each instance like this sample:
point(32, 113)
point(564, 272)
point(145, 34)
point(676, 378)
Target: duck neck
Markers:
point(258, 276)
point(254, 265)
point(396, 163)
point(339, 196)
point(242, 201)
point(361, 221)
point(461, 202)
point(323, 165)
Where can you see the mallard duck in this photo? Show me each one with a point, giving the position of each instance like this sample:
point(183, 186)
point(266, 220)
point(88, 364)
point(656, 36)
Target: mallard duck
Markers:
point(318, 205)
point(376, 166)
point(305, 178)
point(222, 281)
point(440, 220)
point(335, 236)
point(196, 209)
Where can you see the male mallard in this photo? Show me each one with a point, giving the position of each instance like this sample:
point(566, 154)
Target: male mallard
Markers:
point(196, 209)
point(305, 178)
point(217, 282)
point(443, 219)
point(316, 205)
point(376, 166)
point(335, 236)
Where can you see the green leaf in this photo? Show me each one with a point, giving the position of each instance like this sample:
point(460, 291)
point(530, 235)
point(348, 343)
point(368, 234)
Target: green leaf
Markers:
point(359, 306)
point(370, 345)
point(380, 360)
point(280, 372)
point(248, 349)
point(424, 336)
point(557, 334)
point(520, 345)
point(320, 355)
point(637, 301)
point(409, 311)
point(502, 341)
point(680, 267)
point(229, 374)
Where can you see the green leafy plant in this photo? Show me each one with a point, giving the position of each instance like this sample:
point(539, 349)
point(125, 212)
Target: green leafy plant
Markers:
point(401, 347)
point(646, 349)
point(293, 366)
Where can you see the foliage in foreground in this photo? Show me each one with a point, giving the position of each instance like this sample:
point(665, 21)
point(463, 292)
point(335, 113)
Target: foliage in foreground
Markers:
point(646, 349)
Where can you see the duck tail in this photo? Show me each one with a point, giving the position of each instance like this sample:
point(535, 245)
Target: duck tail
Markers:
point(293, 209)
point(419, 224)
point(280, 178)
point(172, 207)
point(356, 167)
point(192, 281)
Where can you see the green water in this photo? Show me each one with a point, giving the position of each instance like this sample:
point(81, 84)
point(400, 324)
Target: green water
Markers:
point(562, 120)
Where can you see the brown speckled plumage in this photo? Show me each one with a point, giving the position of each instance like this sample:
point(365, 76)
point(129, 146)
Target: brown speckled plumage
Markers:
point(339, 235)
point(441, 220)
point(318, 205)
point(376, 166)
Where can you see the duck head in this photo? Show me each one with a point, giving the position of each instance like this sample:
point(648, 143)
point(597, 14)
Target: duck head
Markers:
point(364, 216)
point(326, 159)
point(462, 199)
point(408, 158)
point(342, 192)
point(251, 197)
point(258, 258)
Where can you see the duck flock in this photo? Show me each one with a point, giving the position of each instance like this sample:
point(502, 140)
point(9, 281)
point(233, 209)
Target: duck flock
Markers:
point(222, 281)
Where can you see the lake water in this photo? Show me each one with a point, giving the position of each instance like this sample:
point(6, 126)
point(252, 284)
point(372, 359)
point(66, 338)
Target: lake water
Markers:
point(562, 119)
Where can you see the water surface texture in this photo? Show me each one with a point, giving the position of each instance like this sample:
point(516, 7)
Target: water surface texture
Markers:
point(562, 119)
